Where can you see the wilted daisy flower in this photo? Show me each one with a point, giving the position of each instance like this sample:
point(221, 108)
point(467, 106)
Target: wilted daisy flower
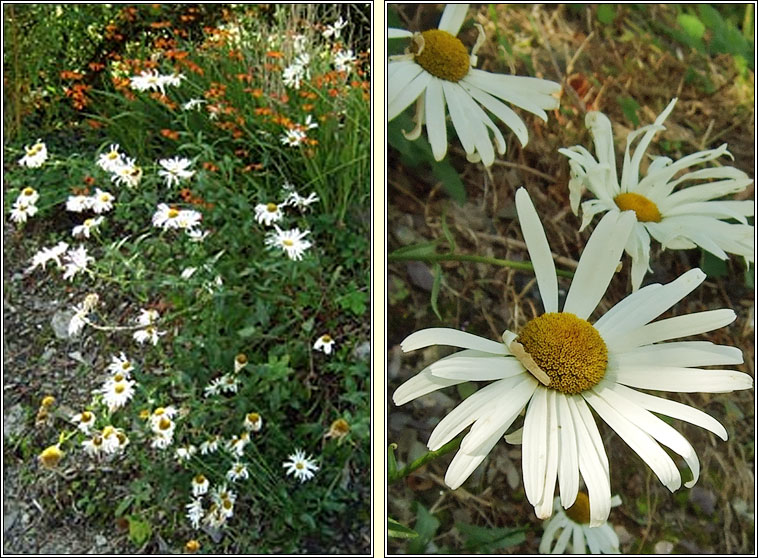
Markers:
point(21, 211)
point(293, 138)
point(334, 29)
point(324, 343)
point(120, 364)
point(339, 429)
point(253, 422)
point(237, 444)
point(78, 203)
point(84, 421)
point(86, 228)
point(163, 431)
point(303, 468)
point(237, 471)
point(215, 518)
point(76, 261)
point(174, 170)
point(101, 201)
point(195, 512)
point(559, 365)
point(240, 361)
point(35, 155)
point(150, 333)
point(28, 196)
point(291, 241)
point(268, 213)
point(127, 173)
point(111, 159)
point(437, 71)
point(224, 499)
point(200, 485)
point(296, 200)
point(210, 445)
point(343, 60)
point(570, 530)
point(193, 104)
point(185, 453)
point(117, 394)
point(94, 447)
point(45, 255)
point(81, 311)
point(114, 440)
point(688, 217)
point(147, 316)
point(51, 456)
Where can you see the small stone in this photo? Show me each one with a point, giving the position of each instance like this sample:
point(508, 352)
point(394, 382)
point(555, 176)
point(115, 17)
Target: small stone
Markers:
point(100, 540)
point(664, 547)
point(703, 500)
point(13, 421)
point(362, 351)
point(60, 321)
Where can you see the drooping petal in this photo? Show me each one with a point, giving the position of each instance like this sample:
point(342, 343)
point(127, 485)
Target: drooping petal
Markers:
point(638, 248)
point(407, 92)
point(539, 250)
point(568, 471)
point(602, 132)
point(531, 94)
point(396, 33)
point(452, 337)
point(503, 112)
point(436, 126)
point(544, 508)
point(644, 445)
point(421, 384)
point(598, 263)
point(534, 448)
point(455, 96)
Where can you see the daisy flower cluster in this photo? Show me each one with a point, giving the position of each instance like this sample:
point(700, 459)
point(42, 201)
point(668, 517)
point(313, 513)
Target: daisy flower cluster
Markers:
point(25, 205)
point(221, 505)
point(71, 260)
point(291, 241)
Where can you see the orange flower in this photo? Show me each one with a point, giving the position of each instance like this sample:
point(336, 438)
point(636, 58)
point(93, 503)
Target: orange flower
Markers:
point(67, 74)
point(308, 107)
point(94, 124)
point(275, 54)
point(160, 24)
point(89, 181)
point(210, 167)
point(170, 134)
point(258, 92)
point(260, 111)
point(333, 92)
point(96, 66)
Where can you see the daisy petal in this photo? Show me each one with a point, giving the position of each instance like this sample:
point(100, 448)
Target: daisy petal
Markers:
point(539, 250)
point(683, 380)
point(453, 17)
point(479, 368)
point(544, 508)
point(598, 263)
point(680, 353)
point(463, 464)
point(452, 337)
point(534, 450)
point(395, 33)
point(436, 128)
point(420, 384)
point(406, 95)
point(568, 472)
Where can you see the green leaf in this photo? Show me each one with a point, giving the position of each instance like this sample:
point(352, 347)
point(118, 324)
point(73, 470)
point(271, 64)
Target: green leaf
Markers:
point(630, 107)
point(606, 13)
point(398, 530)
point(436, 289)
point(139, 530)
point(466, 389)
point(712, 265)
point(123, 506)
point(691, 25)
point(426, 526)
point(246, 332)
point(489, 539)
point(447, 233)
point(451, 181)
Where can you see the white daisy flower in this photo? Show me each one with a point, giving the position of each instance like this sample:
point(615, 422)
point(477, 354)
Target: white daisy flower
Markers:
point(86, 228)
point(151, 80)
point(147, 316)
point(200, 485)
point(117, 394)
point(343, 60)
point(268, 213)
point(293, 138)
point(193, 104)
point(111, 159)
point(94, 447)
point(237, 471)
point(84, 421)
point(114, 440)
point(335, 29)
point(35, 155)
point(303, 468)
point(45, 255)
point(163, 430)
point(324, 343)
point(559, 365)
point(293, 75)
point(78, 203)
point(570, 530)
point(224, 499)
point(213, 388)
point(195, 512)
point(127, 173)
point(102, 201)
point(78, 320)
point(28, 195)
point(188, 219)
point(309, 123)
point(291, 241)
point(210, 445)
point(237, 444)
point(185, 453)
point(253, 422)
point(438, 71)
point(21, 211)
point(688, 217)
point(160, 413)
point(175, 170)
point(76, 262)
point(120, 364)
point(302, 203)
point(150, 333)
point(196, 235)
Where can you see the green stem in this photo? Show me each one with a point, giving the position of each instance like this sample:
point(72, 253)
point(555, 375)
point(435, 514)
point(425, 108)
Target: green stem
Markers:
point(451, 257)
point(424, 459)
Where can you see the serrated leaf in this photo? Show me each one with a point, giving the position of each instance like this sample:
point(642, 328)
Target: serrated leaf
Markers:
point(399, 531)
point(436, 289)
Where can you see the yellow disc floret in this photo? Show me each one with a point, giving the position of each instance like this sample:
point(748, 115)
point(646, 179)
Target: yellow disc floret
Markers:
point(645, 210)
point(568, 349)
point(579, 512)
point(442, 55)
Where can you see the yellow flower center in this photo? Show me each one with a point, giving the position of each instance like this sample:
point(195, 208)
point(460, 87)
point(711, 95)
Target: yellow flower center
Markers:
point(580, 511)
point(164, 424)
point(192, 546)
point(340, 427)
point(121, 438)
point(253, 417)
point(88, 222)
point(442, 55)
point(119, 388)
point(48, 401)
point(227, 504)
point(645, 210)
point(299, 466)
point(97, 441)
point(86, 416)
point(241, 358)
point(271, 207)
point(288, 242)
point(199, 479)
point(568, 349)
point(126, 365)
point(173, 213)
point(51, 456)
point(36, 148)
point(112, 155)
point(159, 411)
point(29, 191)
point(108, 431)
point(105, 197)
point(119, 377)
